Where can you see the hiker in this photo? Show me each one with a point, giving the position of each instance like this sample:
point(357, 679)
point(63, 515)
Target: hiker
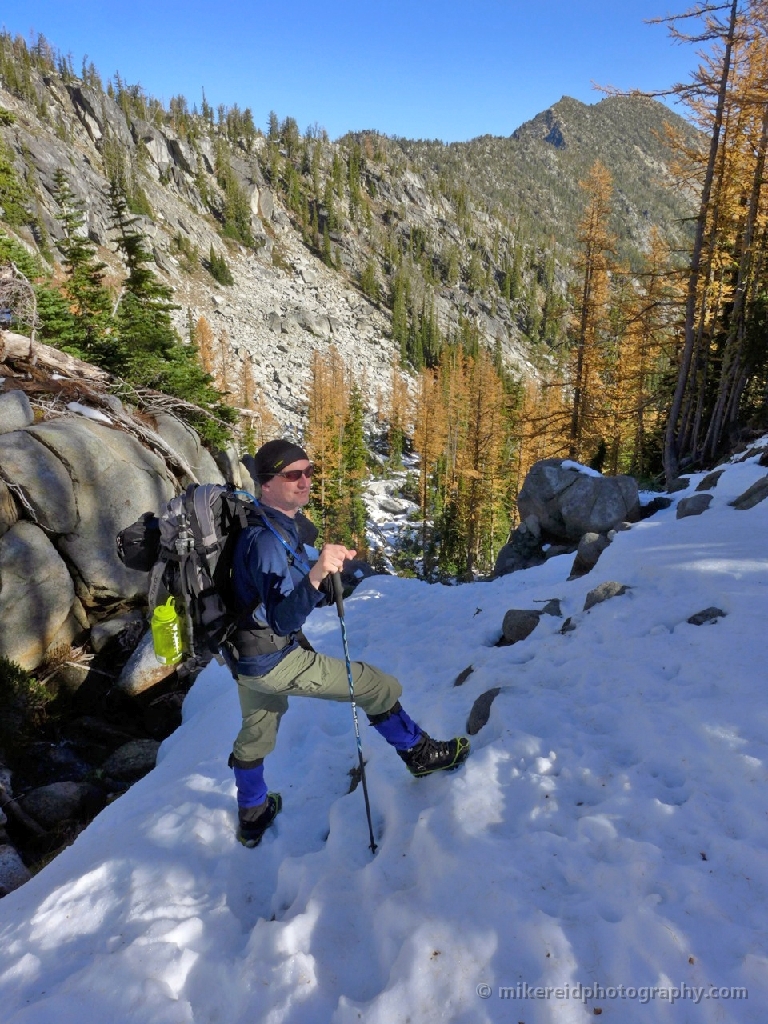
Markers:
point(273, 659)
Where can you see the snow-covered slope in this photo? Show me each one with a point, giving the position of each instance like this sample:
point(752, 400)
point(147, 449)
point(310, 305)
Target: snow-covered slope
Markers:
point(603, 850)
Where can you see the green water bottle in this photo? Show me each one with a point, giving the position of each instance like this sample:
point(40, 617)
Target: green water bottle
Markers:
point(166, 633)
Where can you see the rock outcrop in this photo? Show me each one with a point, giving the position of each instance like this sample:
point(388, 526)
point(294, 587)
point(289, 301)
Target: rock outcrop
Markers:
point(37, 597)
point(566, 507)
point(68, 485)
point(569, 500)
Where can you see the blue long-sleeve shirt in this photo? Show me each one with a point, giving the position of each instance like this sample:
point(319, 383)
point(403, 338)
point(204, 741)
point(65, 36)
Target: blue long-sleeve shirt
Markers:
point(261, 572)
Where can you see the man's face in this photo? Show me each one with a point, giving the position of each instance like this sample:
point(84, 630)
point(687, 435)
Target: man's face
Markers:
point(288, 495)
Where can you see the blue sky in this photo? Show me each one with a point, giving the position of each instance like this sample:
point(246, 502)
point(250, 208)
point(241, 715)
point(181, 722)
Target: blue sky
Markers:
point(420, 69)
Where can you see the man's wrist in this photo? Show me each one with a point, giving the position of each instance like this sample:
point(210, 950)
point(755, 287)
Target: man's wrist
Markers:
point(315, 577)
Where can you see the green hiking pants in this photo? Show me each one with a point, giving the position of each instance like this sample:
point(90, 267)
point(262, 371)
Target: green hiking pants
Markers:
point(264, 699)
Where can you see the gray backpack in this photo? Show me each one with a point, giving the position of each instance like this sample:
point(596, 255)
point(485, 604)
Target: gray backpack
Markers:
point(188, 551)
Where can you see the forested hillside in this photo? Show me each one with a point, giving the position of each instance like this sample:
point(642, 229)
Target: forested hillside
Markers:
point(533, 175)
point(473, 241)
point(484, 304)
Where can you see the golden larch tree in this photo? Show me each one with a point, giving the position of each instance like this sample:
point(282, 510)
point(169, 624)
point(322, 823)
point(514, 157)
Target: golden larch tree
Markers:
point(590, 314)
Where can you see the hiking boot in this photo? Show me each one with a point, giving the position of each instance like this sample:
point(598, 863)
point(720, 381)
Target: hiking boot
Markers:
point(430, 755)
point(249, 832)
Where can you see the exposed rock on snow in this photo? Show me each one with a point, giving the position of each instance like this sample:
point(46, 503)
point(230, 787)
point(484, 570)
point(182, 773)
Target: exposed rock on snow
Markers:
point(518, 624)
point(707, 615)
point(591, 546)
point(481, 710)
point(693, 505)
point(752, 496)
point(569, 503)
point(604, 592)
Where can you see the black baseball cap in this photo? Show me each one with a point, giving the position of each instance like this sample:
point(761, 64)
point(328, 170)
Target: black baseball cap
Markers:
point(274, 456)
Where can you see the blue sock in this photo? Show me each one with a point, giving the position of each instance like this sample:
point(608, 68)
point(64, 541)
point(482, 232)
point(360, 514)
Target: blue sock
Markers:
point(251, 787)
point(399, 730)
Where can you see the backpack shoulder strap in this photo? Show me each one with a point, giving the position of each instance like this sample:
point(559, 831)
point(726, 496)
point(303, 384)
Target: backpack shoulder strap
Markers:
point(155, 582)
point(203, 498)
point(293, 556)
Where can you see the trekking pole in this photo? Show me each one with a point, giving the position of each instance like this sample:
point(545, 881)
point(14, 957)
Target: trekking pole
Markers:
point(339, 598)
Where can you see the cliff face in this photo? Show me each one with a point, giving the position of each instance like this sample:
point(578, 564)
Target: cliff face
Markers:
point(284, 302)
point(450, 219)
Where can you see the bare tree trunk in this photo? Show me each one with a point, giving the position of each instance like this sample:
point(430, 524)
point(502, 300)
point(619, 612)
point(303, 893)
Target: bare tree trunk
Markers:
point(671, 451)
point(691, 416)
point(733, 354)
point(16, 347)
point(578, 388)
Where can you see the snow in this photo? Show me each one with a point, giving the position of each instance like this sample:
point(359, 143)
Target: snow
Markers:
point(603, 849)
point(584, 470)
point(88, 412)
point(390, 516)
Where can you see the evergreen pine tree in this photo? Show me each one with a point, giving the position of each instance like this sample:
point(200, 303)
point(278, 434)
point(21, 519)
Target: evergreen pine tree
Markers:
point(273, 129)
point(330, 206)
point(89, 300)
point(145, 331)
point(146, 349)
point(354, 469)
point(368, 281)
point(14, 195)
point(400, 315)
point(353, 180)
point(327, 249)
point(219, 268)
point(57, 325)
point(43, 304)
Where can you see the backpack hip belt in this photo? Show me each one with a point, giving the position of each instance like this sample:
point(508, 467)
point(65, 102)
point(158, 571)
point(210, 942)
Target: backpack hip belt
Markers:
point(251, 643)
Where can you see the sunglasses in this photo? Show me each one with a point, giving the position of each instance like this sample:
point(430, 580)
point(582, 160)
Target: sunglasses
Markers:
point(293, 475)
